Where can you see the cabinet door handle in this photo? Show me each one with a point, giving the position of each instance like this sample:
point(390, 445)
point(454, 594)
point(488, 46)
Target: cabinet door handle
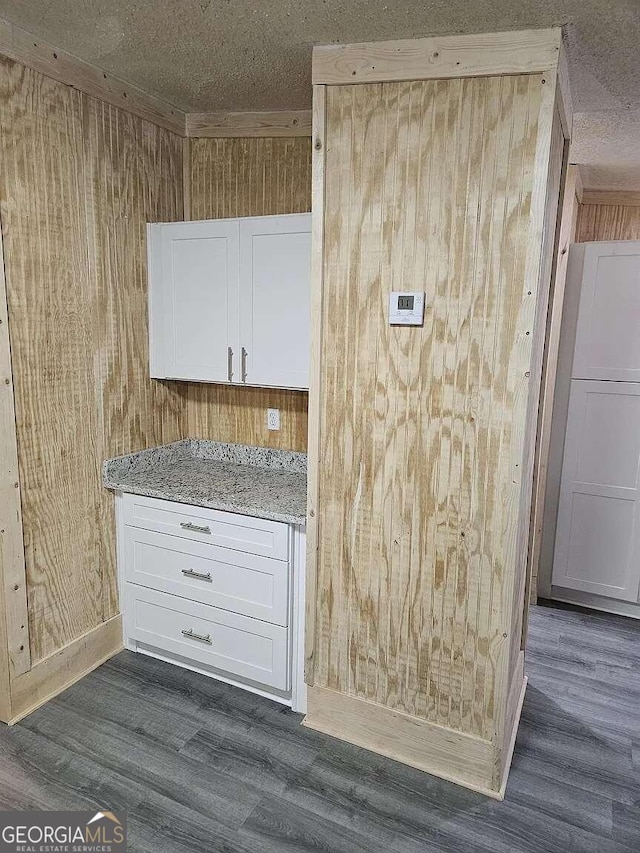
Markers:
point(196, 528)
point(191, 573)
point(244, 364)
point(229, 364)
point(201, 638)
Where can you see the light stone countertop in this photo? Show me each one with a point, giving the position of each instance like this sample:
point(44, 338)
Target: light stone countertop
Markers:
point(257, 481)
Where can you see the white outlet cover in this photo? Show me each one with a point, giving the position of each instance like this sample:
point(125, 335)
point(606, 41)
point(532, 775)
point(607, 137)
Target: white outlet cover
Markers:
point(273, 418)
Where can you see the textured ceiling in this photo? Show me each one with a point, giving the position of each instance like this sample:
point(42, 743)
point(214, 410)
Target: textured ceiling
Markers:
point(206, 55)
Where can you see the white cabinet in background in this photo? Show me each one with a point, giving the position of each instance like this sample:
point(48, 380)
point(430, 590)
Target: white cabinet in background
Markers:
point(596, 556)
point(229, 300)
point(598, 533)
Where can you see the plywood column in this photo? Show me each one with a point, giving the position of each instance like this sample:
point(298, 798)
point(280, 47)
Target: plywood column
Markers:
point(437, 166)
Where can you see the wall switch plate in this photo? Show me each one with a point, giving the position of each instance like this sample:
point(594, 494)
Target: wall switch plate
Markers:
point(273, 418)
point(406, 308)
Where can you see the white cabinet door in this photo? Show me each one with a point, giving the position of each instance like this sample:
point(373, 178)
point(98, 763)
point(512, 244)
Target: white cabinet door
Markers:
point(194, 300)
point(275, 276)
point(608, 330)
point(598, 533)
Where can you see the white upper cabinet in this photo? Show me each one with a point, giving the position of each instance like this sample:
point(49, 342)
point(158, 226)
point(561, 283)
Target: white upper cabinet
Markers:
point(229, 300)
point(275, 259)
point(193, 299)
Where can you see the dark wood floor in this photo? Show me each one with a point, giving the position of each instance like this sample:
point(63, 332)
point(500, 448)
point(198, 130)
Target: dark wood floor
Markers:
point(204, 767)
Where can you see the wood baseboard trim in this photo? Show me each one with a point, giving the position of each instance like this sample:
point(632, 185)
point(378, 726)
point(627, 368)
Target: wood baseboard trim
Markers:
point(512, 740)
point(455, 756)
point(55, 673)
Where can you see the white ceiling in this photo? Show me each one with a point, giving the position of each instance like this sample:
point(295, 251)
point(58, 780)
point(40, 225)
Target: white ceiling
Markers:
point(205, 55)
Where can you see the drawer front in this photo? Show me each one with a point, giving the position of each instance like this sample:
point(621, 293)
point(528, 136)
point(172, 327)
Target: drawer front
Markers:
point(235, 645)
point(242, 583)
point(227, 529)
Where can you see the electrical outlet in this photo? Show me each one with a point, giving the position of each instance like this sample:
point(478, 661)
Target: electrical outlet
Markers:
point(273, 418)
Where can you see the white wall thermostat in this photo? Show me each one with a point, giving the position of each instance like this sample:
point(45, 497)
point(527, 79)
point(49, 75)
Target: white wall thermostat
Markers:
point(406, 309)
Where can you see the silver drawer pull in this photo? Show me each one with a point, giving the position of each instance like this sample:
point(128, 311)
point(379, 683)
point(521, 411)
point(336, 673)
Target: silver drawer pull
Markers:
point(201, 638)
point(196, 528)
point(190, 573)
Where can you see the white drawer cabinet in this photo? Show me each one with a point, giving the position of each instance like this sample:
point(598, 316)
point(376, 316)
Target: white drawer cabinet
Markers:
point(229, 300)
point(243, 583)
point(209, 526)
point(221, 639)
point(216, 592)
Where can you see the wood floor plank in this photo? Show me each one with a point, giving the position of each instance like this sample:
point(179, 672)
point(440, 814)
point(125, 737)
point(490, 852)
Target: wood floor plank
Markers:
point(161, 769)
point(44, 775)
point(202, 766)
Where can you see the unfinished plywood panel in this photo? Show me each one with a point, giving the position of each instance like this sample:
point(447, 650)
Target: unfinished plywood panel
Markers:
point(415, 447)
point(602, 222)
point(15, 655)
point(248, 177)
point(77, 183)
point(133, 176)
point(50, 307)
point(421, 460)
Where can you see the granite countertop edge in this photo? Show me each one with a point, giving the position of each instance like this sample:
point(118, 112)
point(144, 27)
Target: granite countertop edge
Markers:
point(222, 506)
point(127, 474)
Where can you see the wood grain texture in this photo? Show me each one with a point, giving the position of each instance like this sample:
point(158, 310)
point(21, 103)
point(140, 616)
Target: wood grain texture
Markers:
point(568, 220)
point(15, 655)
point(615, 198)
point(270, 124)
point(428, 186)
point(133, 176)
point(78, 181)
point(455, 756)
point(608, 222)
point(37, 54)
point(543, 233)
point(64, 667)
point(482, 54)
point(315, 370)
point(248, 177)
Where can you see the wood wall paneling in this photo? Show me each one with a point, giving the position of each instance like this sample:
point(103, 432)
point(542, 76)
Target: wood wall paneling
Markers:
point(397, 599)
point(543, 243)
point(423, 457)
point(79, 179)
point(248, 177)
point(608, 222)
point(15, 654)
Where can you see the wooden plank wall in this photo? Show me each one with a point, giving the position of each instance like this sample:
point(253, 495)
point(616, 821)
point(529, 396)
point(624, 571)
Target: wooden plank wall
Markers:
point(248, 177)
point(78, 181)
point(428, 186)
point(608, 222)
